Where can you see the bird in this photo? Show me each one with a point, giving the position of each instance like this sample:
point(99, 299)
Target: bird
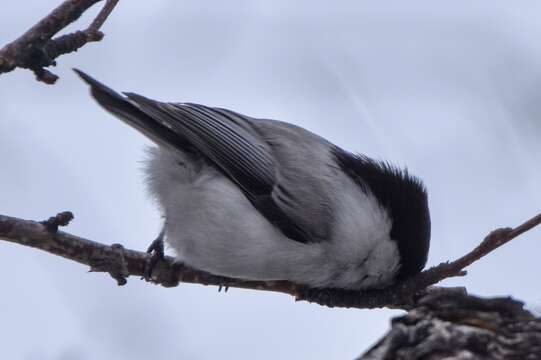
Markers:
point(260, 199)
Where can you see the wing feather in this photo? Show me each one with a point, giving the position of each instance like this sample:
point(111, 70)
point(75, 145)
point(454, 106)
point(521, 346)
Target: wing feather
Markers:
point(234, 144)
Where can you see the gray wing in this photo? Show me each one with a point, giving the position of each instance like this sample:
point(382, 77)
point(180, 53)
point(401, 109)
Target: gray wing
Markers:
point(307, 180)
point(266, 159)
point(234, 149)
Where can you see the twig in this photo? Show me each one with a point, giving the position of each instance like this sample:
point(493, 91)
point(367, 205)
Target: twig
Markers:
point(36, 49)
point(101, 17)
point(169, 273)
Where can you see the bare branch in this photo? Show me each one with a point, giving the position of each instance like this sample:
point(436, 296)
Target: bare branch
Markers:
point(36, 49)
point(121, 263)
point(102, 16)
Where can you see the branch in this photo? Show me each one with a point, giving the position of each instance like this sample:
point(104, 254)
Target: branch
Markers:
point(36, 49)
point(121, 263)
point(461, 327)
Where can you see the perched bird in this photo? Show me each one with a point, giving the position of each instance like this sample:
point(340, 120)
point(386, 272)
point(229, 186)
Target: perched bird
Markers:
point(259, 199)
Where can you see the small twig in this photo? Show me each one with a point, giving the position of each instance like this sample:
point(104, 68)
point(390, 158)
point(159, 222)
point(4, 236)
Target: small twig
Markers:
point(36, 49)
point(101, 17)
point(168, 272)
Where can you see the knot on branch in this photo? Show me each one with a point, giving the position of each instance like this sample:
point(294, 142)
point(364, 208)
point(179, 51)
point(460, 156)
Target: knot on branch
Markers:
point(60, 219)
point(112, 262)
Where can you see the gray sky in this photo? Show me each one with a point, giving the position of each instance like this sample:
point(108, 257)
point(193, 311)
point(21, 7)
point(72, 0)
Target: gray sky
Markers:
point(450, 89)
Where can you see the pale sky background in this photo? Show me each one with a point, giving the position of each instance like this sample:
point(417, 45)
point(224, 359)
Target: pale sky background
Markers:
point(450, 89)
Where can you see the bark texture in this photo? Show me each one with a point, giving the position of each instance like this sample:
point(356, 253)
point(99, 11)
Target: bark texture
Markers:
point(461, 327)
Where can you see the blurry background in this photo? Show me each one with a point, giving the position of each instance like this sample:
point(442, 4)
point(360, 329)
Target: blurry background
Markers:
point(452, 90)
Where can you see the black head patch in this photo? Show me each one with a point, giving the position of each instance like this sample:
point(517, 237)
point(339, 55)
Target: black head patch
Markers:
point(405, 199)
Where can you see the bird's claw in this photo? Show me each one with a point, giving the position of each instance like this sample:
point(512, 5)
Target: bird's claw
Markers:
point(225, 287)
point(156, 251)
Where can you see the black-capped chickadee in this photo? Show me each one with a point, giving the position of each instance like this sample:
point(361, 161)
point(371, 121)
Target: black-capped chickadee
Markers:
point(259, 199)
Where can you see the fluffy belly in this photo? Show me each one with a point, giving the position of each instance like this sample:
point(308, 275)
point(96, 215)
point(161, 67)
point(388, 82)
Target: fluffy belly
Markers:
point(212, 226)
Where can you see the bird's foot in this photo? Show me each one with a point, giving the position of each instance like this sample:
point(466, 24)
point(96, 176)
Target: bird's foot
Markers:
point(222, 286)
point(156, 251)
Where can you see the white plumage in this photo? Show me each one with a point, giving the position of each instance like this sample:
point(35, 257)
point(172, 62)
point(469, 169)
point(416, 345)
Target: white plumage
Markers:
point(212, 226)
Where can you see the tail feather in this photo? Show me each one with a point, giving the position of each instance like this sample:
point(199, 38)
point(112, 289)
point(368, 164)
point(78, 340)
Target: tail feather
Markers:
point(121, 107)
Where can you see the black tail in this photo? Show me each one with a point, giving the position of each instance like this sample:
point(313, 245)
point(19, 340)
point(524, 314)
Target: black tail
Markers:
point(121, 107)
